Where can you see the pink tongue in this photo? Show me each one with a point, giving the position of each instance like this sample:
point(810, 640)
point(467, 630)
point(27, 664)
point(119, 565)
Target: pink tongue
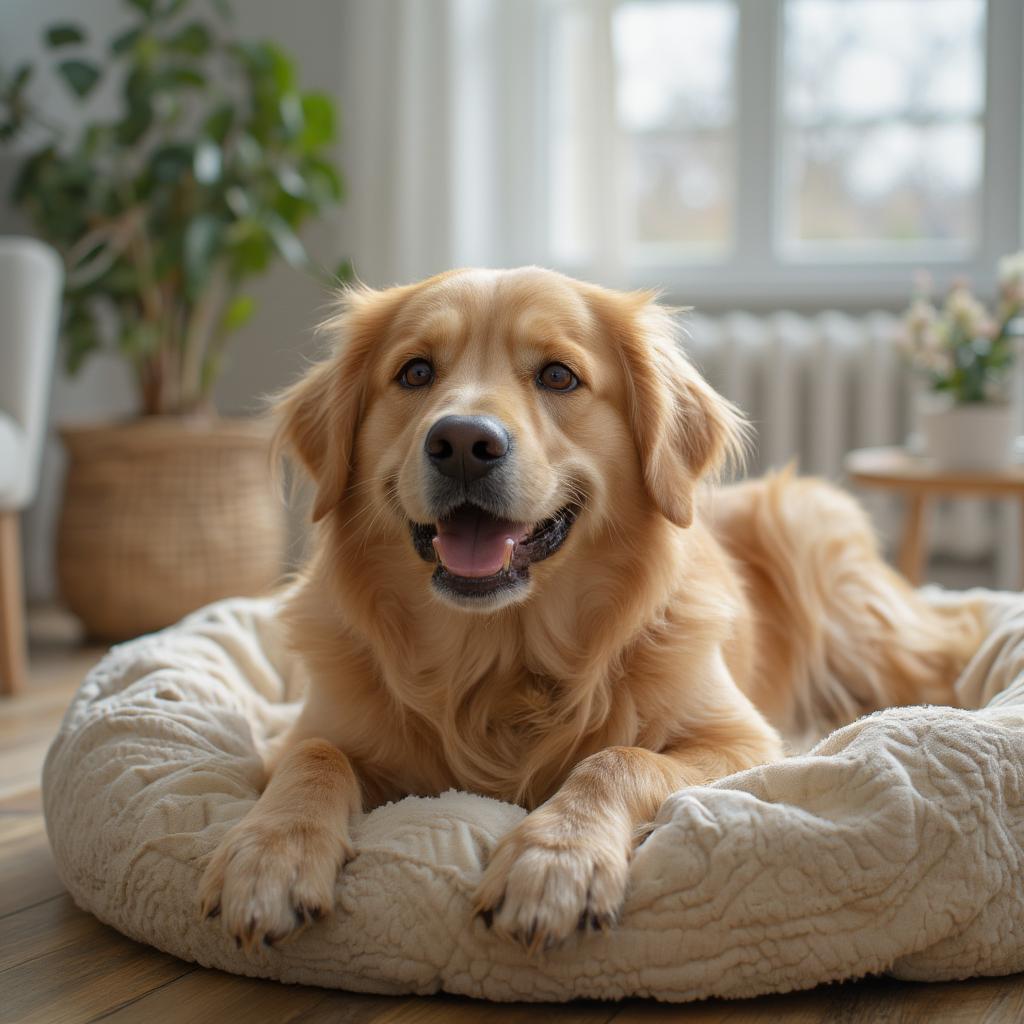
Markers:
point(472, 543)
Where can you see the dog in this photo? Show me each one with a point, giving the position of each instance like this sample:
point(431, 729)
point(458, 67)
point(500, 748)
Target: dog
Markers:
point(526, 583)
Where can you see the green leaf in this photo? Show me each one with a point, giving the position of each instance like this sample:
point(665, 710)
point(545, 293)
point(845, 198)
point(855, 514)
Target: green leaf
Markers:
point(80, 75)
point(290, 110)
point(194, 38)
point(95, 138)
point(13, 103)
point(79, 344)
point(238, 313)
point(135, 123)
point(270, 67)
point(283, 69)
point(170, 78)
point(219, 123)
point(169, 8)
point(64, 35)
point(206, 162)
point(93, 264)
point(25, 182)
point(250, 152)
point(286, 241)
point(255, 56)
point(324, 181)
point(169, 163)
point(138, 86)
point(19, 80)
point(238, 201)
point(203, 238)
point(345, 272)
point(292, 182)
point(122, 279)
point(126, 40)
point(318, 118)
point(293, 211)
point(250, 248)
point(146, 6)
point(80, 335)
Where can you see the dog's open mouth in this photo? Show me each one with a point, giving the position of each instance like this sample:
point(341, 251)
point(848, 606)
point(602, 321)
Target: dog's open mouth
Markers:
point(479, 554)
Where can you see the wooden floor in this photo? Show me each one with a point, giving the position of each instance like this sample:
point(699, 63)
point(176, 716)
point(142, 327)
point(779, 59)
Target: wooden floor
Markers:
point(57, 964)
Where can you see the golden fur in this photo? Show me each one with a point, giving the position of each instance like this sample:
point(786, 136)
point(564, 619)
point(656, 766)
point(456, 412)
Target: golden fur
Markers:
point(676, 629)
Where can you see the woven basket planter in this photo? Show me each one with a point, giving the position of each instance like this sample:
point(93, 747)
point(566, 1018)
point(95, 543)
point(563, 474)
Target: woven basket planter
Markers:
point(164, 515)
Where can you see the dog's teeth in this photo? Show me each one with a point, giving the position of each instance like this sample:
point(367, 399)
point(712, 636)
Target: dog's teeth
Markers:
point(510, 550)
point(437, 550)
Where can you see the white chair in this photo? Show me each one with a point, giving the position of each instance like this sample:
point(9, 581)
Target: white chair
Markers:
point(31, 279)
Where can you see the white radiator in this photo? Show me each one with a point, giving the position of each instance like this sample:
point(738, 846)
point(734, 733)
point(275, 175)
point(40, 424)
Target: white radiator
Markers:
point(817, 387)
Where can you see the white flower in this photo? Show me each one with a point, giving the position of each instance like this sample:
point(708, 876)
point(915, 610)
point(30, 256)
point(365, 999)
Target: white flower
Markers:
point(1011, 269)
point(965, 311)
point(920, 332)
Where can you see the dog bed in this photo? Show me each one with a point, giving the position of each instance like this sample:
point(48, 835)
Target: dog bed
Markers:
point(894, 846)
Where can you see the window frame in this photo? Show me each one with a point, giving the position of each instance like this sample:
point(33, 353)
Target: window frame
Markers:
point(758, 269)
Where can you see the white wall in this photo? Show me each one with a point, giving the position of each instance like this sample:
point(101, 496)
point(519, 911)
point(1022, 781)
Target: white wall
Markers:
point(272, 349)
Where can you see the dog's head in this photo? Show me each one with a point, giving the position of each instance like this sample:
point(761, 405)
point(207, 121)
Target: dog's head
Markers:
point(491, 421)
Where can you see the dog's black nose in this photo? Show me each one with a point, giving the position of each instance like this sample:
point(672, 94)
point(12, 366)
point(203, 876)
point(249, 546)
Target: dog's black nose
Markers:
point(466, 447)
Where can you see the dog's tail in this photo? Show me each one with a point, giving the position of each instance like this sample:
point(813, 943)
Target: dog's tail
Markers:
point(839, 633)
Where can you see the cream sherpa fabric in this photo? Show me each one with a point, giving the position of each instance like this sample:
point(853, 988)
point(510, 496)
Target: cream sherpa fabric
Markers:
point(895, 845)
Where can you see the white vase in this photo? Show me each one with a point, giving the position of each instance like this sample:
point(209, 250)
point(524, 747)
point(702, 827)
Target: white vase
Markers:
point(976, 436)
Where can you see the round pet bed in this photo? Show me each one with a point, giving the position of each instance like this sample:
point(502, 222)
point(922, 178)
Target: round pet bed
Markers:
point(895, 845)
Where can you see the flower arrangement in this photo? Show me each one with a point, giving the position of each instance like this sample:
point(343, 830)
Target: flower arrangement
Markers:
point(959, 348)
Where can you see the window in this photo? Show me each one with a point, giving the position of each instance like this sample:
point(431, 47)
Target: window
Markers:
point(673, 99)
point(783, 151)
point(675, 103)
point(883, 131)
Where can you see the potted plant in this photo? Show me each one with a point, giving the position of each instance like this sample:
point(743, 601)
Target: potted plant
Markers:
point(965, 356)
point(164, 213)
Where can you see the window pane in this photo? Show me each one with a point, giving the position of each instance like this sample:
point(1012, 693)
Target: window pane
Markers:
point(883, 106)
point(669, 122)
point(680, 191)
point(675, 102)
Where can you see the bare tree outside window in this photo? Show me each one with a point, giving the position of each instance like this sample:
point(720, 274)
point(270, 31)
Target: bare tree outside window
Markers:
point(883, 107)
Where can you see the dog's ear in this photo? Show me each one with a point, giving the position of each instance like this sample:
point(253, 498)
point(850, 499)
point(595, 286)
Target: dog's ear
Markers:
point(318, 417)
point(683, 429)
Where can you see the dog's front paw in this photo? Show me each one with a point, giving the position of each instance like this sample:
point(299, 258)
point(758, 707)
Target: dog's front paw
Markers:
point(268, 882)
point(547, 880)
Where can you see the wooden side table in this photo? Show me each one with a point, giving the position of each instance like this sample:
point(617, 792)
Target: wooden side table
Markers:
point(918, 479)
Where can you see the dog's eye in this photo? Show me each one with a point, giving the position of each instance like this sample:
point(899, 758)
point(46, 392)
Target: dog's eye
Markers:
point(416, 373)
point(556, 377)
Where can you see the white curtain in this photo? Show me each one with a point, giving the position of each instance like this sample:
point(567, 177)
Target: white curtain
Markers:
point(441, 138)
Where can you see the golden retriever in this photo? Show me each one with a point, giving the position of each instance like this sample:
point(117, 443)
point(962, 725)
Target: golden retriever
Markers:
point(525, 584)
